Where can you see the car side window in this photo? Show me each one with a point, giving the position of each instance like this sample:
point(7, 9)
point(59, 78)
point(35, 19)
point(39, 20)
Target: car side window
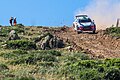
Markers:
point(75, 20)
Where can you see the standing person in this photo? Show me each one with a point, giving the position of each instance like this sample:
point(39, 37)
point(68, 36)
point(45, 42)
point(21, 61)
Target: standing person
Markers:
point(15, 21)
point(11, 20)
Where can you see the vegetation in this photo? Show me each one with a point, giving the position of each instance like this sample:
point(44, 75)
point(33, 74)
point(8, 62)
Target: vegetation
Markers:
point(20, 44)
point(20, 60)
point(92, 70)
point(30, 65)
point(5, 30)
point(114, 31)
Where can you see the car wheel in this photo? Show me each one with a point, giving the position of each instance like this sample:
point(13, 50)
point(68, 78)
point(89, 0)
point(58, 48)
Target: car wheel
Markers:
point(73, 26)
point(94, 32)
point(79, 32)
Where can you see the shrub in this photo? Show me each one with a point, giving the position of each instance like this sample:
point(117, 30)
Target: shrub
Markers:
point(100, 69)
point(14, 54)
point(47, 64)
point(47, 52)
point(112, 74)
point(114, 31)
point(25, 78)
point(54, 52)
point(3, 67)
point(20, 52)
point(112, 62)
point(90, 75)
point(81, 56)
point(19, 25)
point(19, 78)
point(33, 60)
point(21, 56)
point(5, 30)
point(20, 44)
point(88, 63)
point(24, 60)
point(92, 70)
point(18, 30)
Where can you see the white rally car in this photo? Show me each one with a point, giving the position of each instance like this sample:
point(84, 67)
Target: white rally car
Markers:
point(84, 23)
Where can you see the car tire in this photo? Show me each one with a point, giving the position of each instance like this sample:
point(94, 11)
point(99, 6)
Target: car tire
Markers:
point(73, 26)
point(79, 32)
point(94, 32)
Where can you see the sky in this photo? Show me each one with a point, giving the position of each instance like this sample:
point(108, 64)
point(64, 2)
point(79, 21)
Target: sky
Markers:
point(105, 13)
point(41, 12)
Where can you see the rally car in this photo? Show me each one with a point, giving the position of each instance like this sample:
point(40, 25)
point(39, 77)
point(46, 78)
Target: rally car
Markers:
point(83, 23)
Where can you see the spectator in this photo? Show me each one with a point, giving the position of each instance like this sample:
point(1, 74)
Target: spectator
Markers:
point(0, 28)
point(15, 22)
point(11, 20)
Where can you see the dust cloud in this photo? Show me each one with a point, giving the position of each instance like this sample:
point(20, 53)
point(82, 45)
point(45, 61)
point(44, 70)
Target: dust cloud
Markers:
point(104, 12)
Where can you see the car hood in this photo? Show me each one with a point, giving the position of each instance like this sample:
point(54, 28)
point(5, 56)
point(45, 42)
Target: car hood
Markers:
point(86, 24)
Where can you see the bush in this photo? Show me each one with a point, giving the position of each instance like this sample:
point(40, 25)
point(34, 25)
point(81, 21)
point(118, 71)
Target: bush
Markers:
point(47, 52)
point(3, 67)
point(19, 78)
point(24, 60)
point(92, 70)
point(53, 52)
point(81, 56)
point(112, 74)
point(21, 56)
point(31, 59)
point(19, 30)
point(14, 55)
point(112, 62)
point(114, 31)
point(20, 44)
point(25, 78)
point(19, 25)
point(5, 30)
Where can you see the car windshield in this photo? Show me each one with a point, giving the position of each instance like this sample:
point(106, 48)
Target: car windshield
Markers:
point(84, 20)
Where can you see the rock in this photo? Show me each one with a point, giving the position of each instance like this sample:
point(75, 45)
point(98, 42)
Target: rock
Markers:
point(48, 41)
point(4, 46)
point(13, 35)
point(69, 48)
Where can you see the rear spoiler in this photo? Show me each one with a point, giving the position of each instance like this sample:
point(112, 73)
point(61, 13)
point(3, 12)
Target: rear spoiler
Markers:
point(81, 16)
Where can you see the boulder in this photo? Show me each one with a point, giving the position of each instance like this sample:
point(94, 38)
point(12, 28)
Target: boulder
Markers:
point(48, 41)
point(13, 35)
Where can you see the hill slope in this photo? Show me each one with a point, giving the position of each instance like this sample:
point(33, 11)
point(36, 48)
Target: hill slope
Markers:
point(98, 45)
point(21, 60)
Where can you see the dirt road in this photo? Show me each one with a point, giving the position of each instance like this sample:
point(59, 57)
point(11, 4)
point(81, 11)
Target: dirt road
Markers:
point(98, 45)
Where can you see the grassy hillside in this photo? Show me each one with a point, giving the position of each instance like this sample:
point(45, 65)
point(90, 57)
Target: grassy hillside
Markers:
point(53, 64)
point(25, 62)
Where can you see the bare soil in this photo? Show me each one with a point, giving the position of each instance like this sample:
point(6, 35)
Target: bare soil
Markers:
point(98, 45)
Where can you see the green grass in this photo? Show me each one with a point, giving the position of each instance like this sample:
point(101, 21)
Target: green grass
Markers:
point(114, 31)
point(20, 44)
point(22, 61)
point(60, 65)
point(92, 70)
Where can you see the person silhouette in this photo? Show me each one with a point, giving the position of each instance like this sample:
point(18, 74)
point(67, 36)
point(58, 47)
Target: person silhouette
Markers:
point(15, 21)
point(11, 20)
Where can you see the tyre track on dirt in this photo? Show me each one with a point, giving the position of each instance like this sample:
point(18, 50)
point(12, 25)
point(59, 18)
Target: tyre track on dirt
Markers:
point(98, 45)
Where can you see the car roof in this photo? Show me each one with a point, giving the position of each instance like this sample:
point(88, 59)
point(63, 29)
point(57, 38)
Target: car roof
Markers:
point(81, 16)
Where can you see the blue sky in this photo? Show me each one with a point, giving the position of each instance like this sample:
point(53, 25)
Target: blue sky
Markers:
point(40, 12)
